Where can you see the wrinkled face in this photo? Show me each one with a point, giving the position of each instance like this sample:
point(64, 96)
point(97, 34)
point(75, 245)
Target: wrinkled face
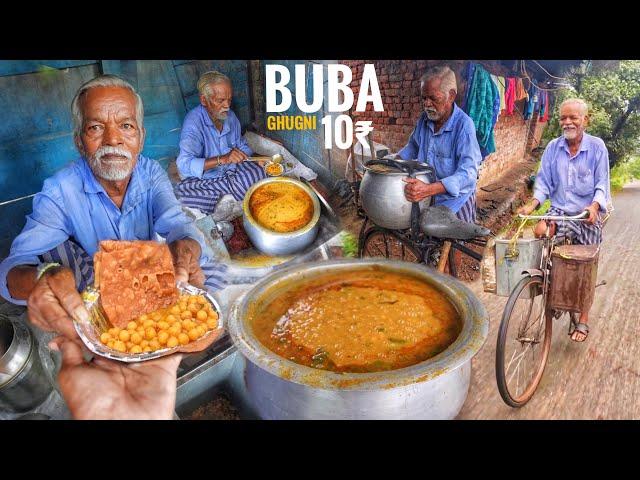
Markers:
point(218, 102)
point(435, 103)
point(573, 120)
point(111, 138)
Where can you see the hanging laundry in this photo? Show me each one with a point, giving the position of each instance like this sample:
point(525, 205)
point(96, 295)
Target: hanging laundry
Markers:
point(471, 67)
point(521, 92)
point(531, 102)
point(543, 103)
point(510, 95)
point(481, 101)
point(545, 117)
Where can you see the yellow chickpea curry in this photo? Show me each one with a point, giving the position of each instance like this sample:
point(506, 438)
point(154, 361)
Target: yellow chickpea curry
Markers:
point(281, 207)
point(180, 324)
point(366, 320)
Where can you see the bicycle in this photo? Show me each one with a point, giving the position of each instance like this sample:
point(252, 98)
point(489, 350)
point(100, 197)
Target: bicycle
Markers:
point(527, 325)
point(431, 241)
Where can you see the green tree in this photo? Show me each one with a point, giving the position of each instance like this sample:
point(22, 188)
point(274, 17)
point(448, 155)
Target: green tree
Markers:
point(613, 95)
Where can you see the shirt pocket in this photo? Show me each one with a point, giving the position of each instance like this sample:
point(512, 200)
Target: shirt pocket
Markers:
point(584, 182)
point(445, 165)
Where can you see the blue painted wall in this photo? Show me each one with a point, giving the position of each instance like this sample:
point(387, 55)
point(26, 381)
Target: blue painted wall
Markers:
point(36, 125)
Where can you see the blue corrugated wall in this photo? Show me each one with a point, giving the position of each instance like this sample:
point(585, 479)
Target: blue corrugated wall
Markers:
point(36, 125)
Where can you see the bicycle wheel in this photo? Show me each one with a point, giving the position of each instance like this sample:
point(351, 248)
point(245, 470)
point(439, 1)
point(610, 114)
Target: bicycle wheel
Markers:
point(524, 341)
point(379, 242)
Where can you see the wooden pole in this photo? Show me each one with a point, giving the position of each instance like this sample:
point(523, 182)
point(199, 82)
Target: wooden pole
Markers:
point(444, 255)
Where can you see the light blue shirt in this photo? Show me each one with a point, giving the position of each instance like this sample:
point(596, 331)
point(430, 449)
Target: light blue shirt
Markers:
point(200, 139)
point(573, 183)
point(453, 152)
point(73, 204)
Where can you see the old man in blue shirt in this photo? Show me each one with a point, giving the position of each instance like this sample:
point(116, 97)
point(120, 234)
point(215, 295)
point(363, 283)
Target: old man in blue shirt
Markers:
point(111, 193)
point(574, 174)
point(445, 138)
point(212, 150)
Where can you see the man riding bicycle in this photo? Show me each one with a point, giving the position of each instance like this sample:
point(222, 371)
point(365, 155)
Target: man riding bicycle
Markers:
point(574, 174)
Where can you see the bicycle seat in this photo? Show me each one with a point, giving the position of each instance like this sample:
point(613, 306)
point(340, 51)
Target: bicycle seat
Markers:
point(440, 222)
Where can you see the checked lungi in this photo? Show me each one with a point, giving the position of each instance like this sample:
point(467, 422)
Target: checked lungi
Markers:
point(204, 193)
point(74, 257)
point(579, 232)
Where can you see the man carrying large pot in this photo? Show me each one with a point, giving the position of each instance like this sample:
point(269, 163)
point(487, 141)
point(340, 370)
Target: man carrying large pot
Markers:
point(445, 138)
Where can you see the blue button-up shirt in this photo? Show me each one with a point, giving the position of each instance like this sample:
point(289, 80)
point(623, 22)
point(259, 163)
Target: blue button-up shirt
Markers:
point(573, 183)
point(200, 139)
point(73, 204)
point(453, 152)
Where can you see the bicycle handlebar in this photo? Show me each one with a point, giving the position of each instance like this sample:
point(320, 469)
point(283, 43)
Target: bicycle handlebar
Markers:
point(582, 216)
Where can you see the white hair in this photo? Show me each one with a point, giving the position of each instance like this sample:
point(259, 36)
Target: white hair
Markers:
point(211, 78)
point(579, 101)
point(446, 76)
point(103, 81)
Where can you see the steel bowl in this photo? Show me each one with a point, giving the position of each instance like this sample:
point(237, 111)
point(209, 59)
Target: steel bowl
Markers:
point(276, 243)
point(277, 388)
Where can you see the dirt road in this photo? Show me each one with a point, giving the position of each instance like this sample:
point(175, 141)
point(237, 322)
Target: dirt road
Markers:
point(597, 379)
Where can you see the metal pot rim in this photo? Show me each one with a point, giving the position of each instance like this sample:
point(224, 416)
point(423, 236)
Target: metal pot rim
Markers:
point(473, 335)
point(314, 199)
point(391, 173)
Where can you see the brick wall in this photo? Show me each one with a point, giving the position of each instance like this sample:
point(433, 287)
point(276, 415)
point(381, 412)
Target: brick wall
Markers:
point(399, 82)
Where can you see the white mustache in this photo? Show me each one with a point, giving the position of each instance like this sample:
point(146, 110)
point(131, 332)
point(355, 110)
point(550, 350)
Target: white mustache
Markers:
point(109, 150)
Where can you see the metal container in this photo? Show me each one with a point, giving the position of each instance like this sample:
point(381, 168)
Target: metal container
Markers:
point(382, 197)
point(509, 269)
point(23, 381)
point(574, 272)
point(277, 388)
point(275, 243)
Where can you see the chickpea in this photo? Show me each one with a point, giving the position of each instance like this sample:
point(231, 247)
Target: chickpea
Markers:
point(177, 324)
point(183, 338)
point(172, 342)
point(201, 315)
point(146, 349)
point(124, 335)
point(183, 306)
point(185, 315)
point(136, 338)
point(149, 323)
point(162, 325)
point(194, 333)
point(171, 318)
point(144, 343)
point(114, 332)
point(174, 331)
point(150, 333)
point(143, 318)
point(212, 324)
point(129, 345)
point(105, 337)
point(192, 299)
point(213, 315)
point(188, 325)
point(120, 346)
point(175, 310)
point(154, 345)
point(163, 336)
point(194, 307)
point(132, 325)
point(135, 349)
point(156, 316)
point(202, 300)
point(111, 343)
point(140, 330)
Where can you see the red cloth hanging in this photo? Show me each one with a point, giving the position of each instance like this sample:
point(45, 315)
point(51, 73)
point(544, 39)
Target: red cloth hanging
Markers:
point(547, 107)
point(510, 95)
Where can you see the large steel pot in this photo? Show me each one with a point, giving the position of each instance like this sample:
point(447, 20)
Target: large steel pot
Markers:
point(275, 243)
point(277, 388)
point(382, 197)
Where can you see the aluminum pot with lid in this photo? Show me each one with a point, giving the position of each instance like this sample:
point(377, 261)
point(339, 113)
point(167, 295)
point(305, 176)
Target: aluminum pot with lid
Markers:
point(23, 381)
point(382, 191)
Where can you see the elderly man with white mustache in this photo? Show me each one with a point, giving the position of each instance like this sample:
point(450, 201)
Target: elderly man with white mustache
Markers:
point(574, 174)
point(213, 151)
point(112, 192)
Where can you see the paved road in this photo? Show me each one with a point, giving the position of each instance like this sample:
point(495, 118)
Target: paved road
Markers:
point(600, 378)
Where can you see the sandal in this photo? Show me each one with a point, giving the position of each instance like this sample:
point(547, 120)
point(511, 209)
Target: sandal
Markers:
point(581, 328)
